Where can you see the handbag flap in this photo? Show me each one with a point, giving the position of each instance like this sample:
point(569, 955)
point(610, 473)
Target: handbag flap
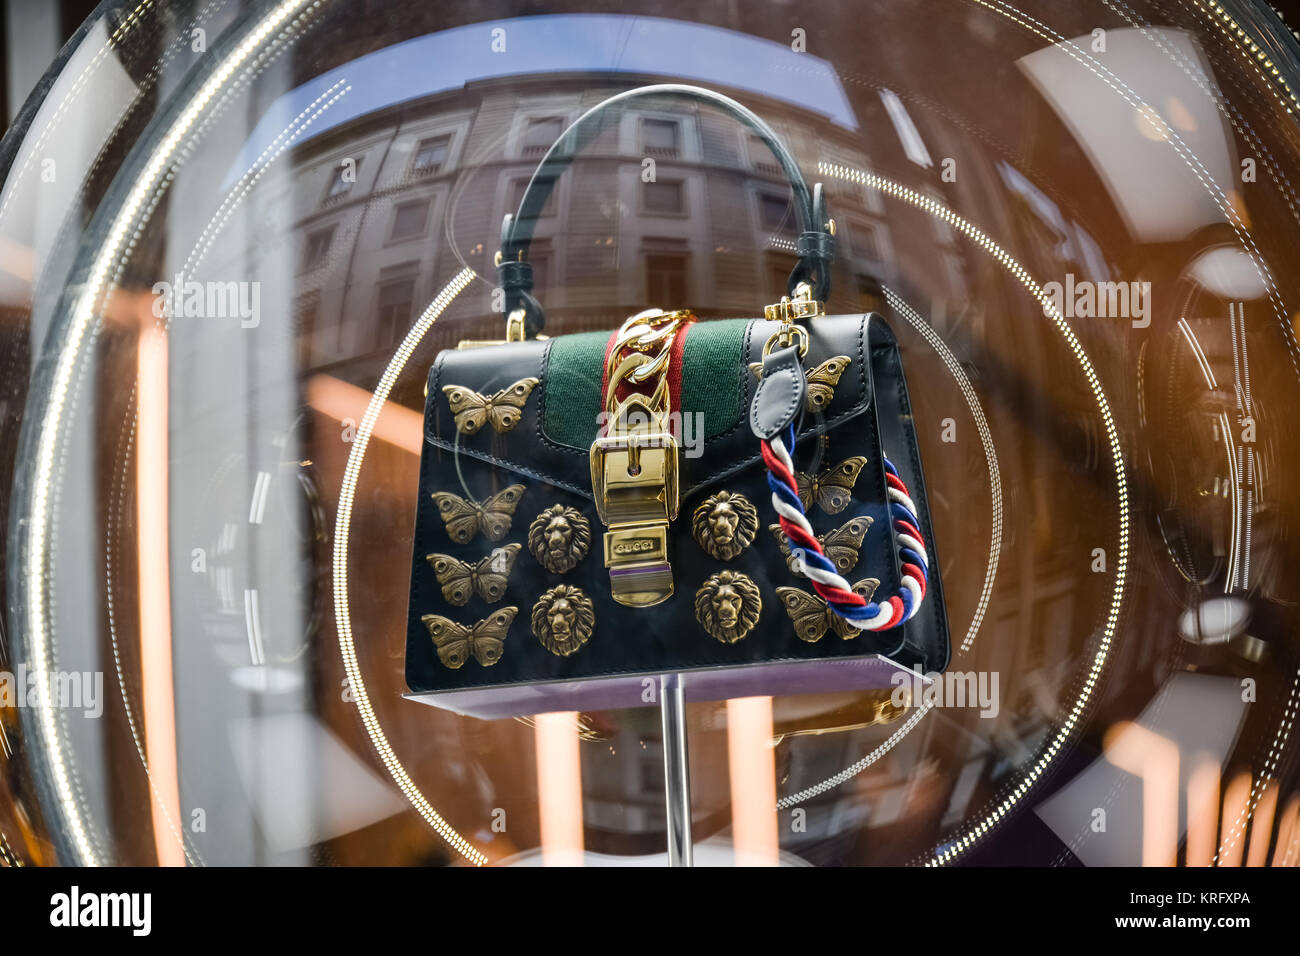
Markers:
point(552, 440)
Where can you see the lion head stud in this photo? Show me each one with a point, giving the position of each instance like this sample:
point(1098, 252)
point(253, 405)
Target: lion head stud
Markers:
point(725, 524)
point(727, 605)
point(563, 619)
point(559, 538)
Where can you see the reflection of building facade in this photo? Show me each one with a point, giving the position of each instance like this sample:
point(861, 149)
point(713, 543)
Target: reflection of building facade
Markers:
point(673, 207)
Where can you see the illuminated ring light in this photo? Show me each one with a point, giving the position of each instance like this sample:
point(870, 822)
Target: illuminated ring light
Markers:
point(342, 528)
point(959, 375)
point(56, 385)
point(950, 850)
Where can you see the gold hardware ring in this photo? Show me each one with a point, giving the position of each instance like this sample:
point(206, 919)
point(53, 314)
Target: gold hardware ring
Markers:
point(781, 337)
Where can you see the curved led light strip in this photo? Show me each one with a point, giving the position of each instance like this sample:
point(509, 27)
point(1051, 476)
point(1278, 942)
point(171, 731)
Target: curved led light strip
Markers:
point(342, 528)
point(1250, 53)
point(953, 848)
point(138, 204)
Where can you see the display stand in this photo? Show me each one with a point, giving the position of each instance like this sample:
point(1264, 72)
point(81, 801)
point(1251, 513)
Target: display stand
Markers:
point(677, 770)
point(777, 678)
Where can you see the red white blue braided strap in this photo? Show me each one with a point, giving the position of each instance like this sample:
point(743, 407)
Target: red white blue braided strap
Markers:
point(812, 561)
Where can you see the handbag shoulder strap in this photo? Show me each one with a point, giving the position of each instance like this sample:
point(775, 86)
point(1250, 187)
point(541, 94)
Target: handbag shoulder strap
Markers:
point(815, 243)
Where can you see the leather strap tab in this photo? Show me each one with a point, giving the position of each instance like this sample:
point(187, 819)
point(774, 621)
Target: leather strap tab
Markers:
point(780, 393)
point(515, 276)
point(816, 245)
point(816, 248)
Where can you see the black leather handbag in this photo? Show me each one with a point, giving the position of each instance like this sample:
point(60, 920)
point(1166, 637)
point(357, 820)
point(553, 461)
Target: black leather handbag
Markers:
point(600, 508)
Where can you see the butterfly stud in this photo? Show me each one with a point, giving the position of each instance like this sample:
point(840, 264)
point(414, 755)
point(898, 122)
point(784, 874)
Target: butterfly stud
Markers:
point(832, 488)
point(813, 617)
point(840, 545)
point(484, 641)
point(488, 578)
point(821, 381)
point(504, 409)
point(465, 518)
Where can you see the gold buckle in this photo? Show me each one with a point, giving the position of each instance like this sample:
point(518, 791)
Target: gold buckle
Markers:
point(634, 464)
point(635, 483)
point(802, 306)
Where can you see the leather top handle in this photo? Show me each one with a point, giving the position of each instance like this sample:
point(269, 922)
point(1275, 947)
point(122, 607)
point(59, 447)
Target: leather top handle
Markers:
point(815, 244)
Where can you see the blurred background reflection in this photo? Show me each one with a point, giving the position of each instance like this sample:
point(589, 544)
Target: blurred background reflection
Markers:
point(220, 221)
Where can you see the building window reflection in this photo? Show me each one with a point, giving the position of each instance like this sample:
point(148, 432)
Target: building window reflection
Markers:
point(862, 241)
point(517, 189)
point(779, 265)
point(409, 220)
point(871, 295)
point(761, 158)
point(540, 134)
point(343, 178)
point(307, 320)
point(665, 197)
point(659, 138)
point(396, 299)
point(539, 255)
point(775, 212)
point(665, 274)
point(430, 156)
point(317, 248)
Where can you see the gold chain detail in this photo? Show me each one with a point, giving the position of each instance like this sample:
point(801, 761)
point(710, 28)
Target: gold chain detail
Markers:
point(642, 349)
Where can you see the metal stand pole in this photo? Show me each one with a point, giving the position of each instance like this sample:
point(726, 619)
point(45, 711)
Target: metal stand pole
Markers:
point(677, 771)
